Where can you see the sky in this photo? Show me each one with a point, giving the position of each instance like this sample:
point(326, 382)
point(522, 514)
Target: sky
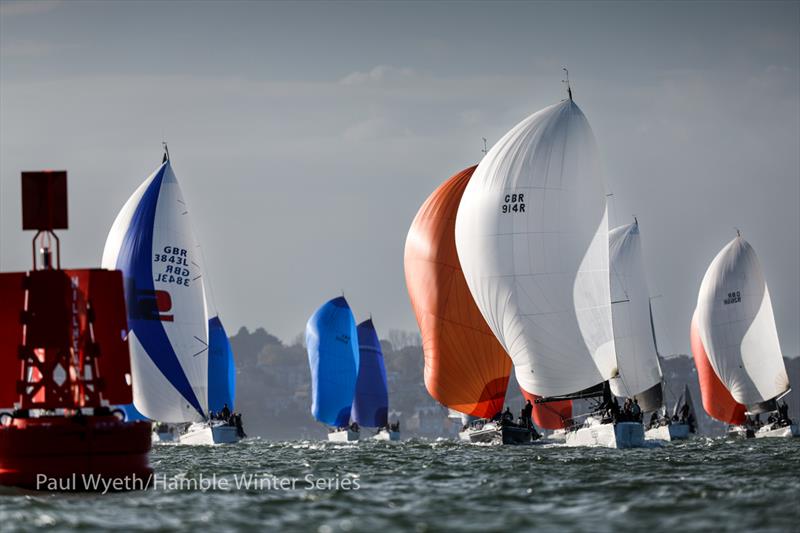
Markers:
point(306, 136)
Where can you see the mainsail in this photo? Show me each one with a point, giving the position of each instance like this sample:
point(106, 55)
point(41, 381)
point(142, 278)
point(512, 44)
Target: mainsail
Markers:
point(332, 344)
point(717, 401)
point(532, 238)
point(737, 328)
point(221, 368)
point(466, 369)
point(634, 341)
point(371, 400)
point(152, 242)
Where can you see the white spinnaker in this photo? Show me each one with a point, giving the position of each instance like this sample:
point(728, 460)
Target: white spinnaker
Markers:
point(539, 271)
point(630, 311)
point(174, 259)
point(737, 327)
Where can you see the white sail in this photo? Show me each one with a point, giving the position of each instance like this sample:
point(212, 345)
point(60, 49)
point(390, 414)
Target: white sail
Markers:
point(630, 311)
point(737, 327)
point(532, 239)
point(152, 242)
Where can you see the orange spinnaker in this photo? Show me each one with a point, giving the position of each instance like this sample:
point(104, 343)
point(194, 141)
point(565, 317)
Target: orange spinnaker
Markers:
point(466, 368)
point(717, 400)
point(551, 415)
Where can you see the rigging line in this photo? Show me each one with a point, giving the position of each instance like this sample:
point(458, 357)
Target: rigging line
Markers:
point(201, 351)
point(205, 271)
point(201, 340)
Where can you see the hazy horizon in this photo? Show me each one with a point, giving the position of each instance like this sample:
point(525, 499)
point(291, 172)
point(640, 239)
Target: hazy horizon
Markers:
point(306, 136)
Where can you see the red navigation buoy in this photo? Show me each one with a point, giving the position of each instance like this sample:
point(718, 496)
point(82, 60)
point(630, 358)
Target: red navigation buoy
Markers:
point(63, 362)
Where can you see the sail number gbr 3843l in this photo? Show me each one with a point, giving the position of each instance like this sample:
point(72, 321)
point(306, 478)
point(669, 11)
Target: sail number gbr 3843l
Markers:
point(513, 203)
point(175, 265)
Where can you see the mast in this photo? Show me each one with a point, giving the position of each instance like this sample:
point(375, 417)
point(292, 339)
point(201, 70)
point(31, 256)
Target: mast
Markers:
point(565, 81)
point(653, 325)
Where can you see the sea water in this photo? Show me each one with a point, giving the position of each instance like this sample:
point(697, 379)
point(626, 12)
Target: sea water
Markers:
point(429, 485)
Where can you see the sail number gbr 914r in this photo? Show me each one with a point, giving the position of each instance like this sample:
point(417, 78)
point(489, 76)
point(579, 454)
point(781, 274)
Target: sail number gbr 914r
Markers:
point(513, 203)
point(175, 265)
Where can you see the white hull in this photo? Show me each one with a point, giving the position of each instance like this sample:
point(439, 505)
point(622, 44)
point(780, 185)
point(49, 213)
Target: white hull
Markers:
point(619, 435)
point(163, 437)
point(488, 434)
point(668, 433)
point(208, 433)
point(739, 432)
point(345, 435)
point(494, 433)
point(387, 435)
point(785, 431)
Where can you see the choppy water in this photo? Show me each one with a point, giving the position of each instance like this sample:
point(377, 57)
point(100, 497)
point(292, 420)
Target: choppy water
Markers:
point(701, 485)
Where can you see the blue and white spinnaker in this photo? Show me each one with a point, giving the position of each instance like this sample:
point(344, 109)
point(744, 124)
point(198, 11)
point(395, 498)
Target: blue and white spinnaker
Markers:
point(152, 242)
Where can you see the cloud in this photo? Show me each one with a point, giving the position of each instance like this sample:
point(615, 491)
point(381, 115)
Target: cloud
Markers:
point(29, 7)
point(378, 75)
point(315, 168)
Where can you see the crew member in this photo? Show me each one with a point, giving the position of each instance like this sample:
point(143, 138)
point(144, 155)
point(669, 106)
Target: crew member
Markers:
point(685, 413)
point(636, 411)
point(527, 413)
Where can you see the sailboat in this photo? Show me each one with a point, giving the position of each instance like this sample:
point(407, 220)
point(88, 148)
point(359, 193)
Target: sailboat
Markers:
point(466, 369)
point(736, 348)
point(371, 401)
point(532, 239)
point(152, 242)
point(677, 425)
point(640, 376)
point(221, 392)
point(333, 358)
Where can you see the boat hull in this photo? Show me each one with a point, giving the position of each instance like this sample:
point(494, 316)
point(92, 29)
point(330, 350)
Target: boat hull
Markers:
point(492, 433)
point(740, 432)
point(784, 431)
point(387, 435)
point(165, 433)
point(164, 437)
point(611, 435)
point(71, 449)
point(204, 433)
point(345, 435)
point(668, 433)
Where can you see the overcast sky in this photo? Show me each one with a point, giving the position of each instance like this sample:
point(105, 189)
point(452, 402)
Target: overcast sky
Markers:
point(306, 136)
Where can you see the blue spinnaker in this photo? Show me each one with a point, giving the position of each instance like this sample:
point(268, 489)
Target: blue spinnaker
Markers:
point(221, 368)
point(131, 413)
point(371, 402)
point(332, 344)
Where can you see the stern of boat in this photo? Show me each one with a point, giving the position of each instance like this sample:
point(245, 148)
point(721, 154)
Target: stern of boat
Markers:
point(345, 435)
